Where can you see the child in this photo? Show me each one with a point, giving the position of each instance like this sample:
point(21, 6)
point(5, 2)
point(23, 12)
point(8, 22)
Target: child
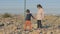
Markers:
point(40, 16)
point(28, 20)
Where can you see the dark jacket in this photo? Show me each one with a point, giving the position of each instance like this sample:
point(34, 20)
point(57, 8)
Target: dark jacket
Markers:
point(28, 16)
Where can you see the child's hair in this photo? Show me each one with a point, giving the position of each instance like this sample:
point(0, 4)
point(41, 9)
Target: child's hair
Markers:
point(28, 11)
point(39, 6)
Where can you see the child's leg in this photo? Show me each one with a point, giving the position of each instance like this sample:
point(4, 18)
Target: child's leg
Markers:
point(30, 25)
point(37, 23)
point(40, 24)
point(25, 26)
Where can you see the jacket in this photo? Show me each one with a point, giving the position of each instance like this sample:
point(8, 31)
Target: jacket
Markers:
point(40, 14)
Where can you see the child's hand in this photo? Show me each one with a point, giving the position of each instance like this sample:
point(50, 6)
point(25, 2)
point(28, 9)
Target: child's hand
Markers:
point(34, 18)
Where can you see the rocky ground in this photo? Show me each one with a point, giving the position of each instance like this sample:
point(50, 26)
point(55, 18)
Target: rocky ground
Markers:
point(15, 25)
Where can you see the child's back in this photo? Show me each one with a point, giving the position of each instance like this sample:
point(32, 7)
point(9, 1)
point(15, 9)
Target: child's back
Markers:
point(28, 16)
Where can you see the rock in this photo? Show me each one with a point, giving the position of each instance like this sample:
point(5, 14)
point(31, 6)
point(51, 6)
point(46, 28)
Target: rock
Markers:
point(1, 25)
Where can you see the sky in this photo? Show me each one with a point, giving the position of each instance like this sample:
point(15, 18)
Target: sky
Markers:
point(17, 6)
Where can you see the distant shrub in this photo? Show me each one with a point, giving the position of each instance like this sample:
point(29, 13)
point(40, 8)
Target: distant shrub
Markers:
point(6, 15)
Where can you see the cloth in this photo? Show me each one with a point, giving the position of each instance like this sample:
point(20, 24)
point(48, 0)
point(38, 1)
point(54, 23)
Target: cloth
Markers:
point(28, 16)
point(39, 24)
point(28, 23)
point(40, 14)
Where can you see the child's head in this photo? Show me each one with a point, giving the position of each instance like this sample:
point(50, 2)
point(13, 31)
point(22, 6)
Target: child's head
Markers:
point(27, 11)
point(39, 6)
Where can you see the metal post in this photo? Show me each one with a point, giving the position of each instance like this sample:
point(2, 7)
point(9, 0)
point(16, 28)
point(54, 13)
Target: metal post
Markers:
point(24, 6)
point(24, 14)
point(24, 9)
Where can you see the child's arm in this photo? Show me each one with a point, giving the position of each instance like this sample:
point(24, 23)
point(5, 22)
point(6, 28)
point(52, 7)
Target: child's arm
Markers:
point(32, 16)
point(42, 14)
